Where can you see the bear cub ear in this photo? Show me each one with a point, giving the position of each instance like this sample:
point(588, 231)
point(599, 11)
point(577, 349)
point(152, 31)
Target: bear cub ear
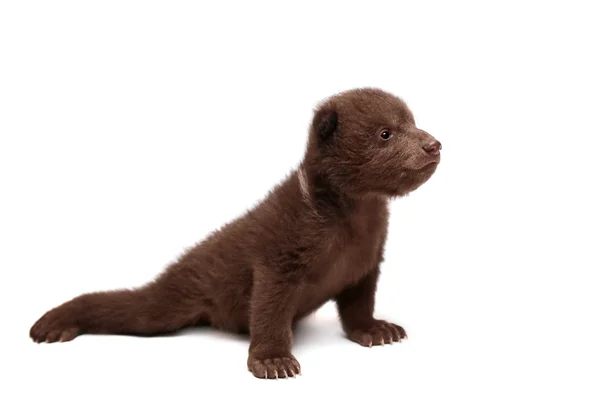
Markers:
point(325, 123)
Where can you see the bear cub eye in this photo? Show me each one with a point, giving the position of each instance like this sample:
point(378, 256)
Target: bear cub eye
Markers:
point(385, 135)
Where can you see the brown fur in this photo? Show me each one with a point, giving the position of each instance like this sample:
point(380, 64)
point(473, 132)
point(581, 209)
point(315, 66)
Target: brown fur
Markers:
point(318, 235)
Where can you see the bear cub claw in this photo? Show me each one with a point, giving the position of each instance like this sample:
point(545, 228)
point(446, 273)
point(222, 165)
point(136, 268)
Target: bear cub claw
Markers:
point(274, 368)
point(379, 333)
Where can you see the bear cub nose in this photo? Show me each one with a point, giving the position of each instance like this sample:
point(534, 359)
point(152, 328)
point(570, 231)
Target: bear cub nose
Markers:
point(433, 147)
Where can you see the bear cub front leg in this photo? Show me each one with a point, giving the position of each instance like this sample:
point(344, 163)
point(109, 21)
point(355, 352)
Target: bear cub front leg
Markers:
point(272, 310)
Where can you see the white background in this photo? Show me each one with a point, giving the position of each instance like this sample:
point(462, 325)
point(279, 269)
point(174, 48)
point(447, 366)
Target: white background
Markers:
point(129, 130)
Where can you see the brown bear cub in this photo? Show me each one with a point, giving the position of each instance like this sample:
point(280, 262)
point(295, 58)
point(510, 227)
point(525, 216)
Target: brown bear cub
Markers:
point(319, 235)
